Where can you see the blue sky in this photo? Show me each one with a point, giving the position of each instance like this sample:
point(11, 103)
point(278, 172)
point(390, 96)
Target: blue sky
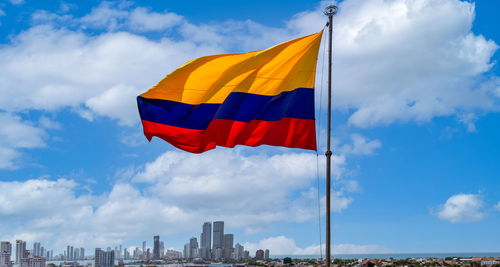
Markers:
point(416, 99)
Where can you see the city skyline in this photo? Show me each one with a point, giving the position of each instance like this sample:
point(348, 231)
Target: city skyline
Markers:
point(220, 249)
point(416, 114)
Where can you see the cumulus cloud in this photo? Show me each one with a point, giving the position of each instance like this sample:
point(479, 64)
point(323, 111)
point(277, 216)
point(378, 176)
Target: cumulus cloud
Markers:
point(394, 61)
point(360, 146)
point(497, 206)
point(462, 208)
point(397, 61)
point(281, 245)
point(172, 194)
point(15, 136)
point(117, 16)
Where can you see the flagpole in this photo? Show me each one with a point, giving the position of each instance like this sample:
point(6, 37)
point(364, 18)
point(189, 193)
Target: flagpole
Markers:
point(329, 11)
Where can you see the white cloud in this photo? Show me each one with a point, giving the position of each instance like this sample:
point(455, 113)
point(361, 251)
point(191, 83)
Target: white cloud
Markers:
point(497, 206)
point(281, 245)
point(399, 61)
point(468, 120)
point(15, 136)
point(462, 208)
point(360, 146)
point(117, 103)
point(47, 123)
point(381, 54)
point(142, 19)
point(113, 16)
point(171, 195)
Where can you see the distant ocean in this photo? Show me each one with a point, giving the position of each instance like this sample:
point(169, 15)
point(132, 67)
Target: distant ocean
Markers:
point(395, 255)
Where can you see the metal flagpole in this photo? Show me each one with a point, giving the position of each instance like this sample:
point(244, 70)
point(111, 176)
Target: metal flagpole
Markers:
point(329, 11)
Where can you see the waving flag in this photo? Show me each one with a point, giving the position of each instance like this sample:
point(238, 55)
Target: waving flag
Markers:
point(254, 98)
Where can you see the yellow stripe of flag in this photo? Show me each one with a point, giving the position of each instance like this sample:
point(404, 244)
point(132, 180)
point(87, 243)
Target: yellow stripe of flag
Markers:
point(210, 79)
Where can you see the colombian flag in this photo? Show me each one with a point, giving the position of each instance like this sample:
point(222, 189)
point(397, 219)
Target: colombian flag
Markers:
point(254, 98)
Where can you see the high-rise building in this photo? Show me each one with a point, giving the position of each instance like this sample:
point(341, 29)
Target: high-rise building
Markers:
point(5, 253)
point(156, 247)
point(193, 247)
point(36, 249)
point(82, 253)
point(143, 249)
point(120, 256)
point(238, 251)
point(5, 259)
point(20, 249)
point(42, 252)
point(206, 240)
point(218, 235)
point(6, 246)
point(34, 261)
point(266, 254)
point(104, 258)
point(126, 254)
point(217, 253)
point(259, 254)
point(162, 249)
point(187, 253)
point(228, 245)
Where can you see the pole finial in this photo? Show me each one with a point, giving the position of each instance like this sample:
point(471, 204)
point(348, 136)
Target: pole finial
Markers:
point(331, 10)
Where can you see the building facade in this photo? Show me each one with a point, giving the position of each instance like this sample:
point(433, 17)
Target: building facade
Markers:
point(218, 235)
point(156, 247)
point(228, 245)
point(259, 254)
point(104, 258)
point(34, 261)
point(20, 250)
point(206, 240)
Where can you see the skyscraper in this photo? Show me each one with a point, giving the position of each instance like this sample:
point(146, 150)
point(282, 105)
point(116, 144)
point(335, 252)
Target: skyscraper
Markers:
point(266, 254)
point(228, 245)
point(218, 235)
point(143, 249)
point(162, 249)
point(156, 247)
point(259, 254)
point(238, 251)
point(36, 249)
point(5, 259)
point(193, 247)
point(20, 249)
point(5, 253)
point(104, 258)
point(6, 246)
point(82, 253)
point(186, 251)
point(206, 240)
